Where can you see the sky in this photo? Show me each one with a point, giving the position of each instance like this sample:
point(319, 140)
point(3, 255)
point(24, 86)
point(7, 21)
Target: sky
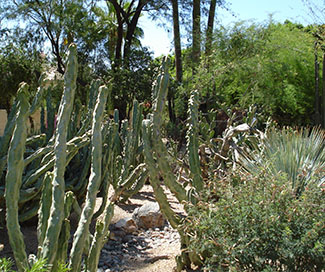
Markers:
point(160, 42)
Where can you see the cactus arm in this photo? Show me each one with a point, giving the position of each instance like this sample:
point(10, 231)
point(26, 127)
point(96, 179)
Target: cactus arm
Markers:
point(128, 182)
point(100, 238)
point(14, 179)
point(37, 140)
point(50, 244)
point(72, 148)
point(166, 171)
point(50, 117)
point(94, 182)
point(40, 94)
point(37, 100)
point(39, 153)
point(137, 187)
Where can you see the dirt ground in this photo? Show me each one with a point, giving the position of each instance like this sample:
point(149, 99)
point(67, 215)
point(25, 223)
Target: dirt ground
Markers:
point(163, 257)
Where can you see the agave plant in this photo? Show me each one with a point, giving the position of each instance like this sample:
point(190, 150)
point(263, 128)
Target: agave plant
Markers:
point(299, 154)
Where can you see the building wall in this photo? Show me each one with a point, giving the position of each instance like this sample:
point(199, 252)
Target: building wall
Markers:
point(36, 120)
point(3, 121)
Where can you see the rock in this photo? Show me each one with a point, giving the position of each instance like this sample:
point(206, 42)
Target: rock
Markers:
point(148, 216)
point(127, 224)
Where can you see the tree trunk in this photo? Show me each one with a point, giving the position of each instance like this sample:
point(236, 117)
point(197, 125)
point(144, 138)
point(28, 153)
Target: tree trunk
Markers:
point(119, 42)
point(212, 11)
point(131, 27)
point(177, 42)
point(196, 34)
point(317, 111)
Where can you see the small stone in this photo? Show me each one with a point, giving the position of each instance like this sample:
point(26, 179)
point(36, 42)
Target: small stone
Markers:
point(148, 216)
point(126, 224)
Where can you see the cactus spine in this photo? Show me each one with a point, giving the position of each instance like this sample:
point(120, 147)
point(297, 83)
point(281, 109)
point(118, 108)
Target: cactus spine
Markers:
point(14, 179)
point(50, 244)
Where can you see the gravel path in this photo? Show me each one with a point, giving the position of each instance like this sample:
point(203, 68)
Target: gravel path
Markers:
point(140, 250)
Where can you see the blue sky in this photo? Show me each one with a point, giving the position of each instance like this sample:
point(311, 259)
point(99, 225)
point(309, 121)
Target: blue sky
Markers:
point(159, 40)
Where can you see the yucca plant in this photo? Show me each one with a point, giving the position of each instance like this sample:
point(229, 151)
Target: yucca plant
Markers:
point(6, 264)
point(40, 265)
point(297, 153)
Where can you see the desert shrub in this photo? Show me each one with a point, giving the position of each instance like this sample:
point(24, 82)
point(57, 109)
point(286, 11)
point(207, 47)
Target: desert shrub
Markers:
point(257, 223)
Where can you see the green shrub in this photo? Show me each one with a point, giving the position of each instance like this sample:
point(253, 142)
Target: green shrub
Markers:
point(247, 223)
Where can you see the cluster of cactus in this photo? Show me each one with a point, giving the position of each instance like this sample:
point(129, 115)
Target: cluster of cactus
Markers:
point(122, 156)
point(86, 154)
point(40, 182)
point(157, 159)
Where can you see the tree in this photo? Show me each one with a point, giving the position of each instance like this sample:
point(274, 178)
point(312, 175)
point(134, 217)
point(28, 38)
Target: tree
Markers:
point(209, 32)
point(20, 60)
point(177, 41)
point(127, 15)
point(317, 14)
point(44, 16)
point(196, 33)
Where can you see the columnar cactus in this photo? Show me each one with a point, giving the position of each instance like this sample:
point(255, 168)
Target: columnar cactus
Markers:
point(193, 142)
point(50, 244)
point(156, 160)
point(82, 231)
point(14, 178)
point(161, 90)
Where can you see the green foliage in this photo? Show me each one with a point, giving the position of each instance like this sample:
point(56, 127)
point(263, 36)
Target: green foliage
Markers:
point(270, 65)
point(133, 83)
point(256, 223)
point(19, 61)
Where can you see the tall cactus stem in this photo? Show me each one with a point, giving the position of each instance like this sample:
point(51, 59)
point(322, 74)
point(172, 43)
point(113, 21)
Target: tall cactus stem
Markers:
point(161, 90)
point(94, 182)
point(44, 210)
point(193, 142)
point(14, 179)
point(50, 244)
point(65, 231)
point(100, 238)
point(154, 177)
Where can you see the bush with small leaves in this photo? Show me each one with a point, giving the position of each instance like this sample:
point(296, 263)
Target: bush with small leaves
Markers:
point(257, 223)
